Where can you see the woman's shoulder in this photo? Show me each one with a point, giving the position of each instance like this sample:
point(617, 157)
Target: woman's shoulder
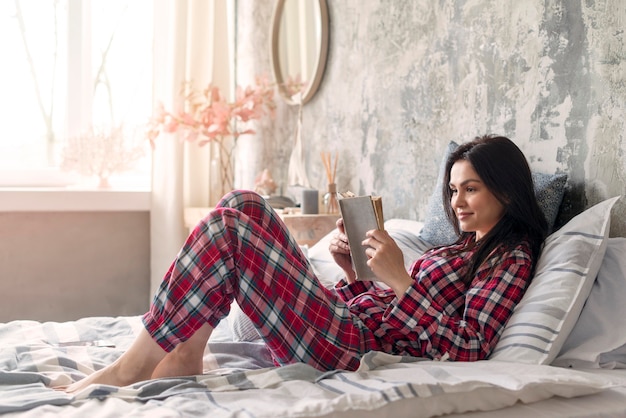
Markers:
point(520, 249)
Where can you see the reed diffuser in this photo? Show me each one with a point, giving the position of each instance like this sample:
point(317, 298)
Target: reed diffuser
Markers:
point(330, 198)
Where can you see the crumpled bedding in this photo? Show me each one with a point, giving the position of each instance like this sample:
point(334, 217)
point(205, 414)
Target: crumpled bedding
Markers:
point(241, 380)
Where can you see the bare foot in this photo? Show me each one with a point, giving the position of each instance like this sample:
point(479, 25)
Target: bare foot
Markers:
point(113, 375)
point(133, 366)
point(145, 359)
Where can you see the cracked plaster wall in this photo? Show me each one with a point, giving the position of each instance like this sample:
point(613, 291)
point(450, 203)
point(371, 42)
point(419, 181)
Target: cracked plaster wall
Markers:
point(405, 77)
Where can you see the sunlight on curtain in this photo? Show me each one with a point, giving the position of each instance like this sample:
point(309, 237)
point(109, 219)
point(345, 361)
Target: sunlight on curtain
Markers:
point(74, 68)
point(191, 44)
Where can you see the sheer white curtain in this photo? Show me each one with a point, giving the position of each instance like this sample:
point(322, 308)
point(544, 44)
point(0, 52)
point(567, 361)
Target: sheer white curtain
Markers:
point(193, 42)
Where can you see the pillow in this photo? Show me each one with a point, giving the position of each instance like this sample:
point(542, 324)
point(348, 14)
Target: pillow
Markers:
point(437, 229)
point(549, 189)
point(566, 271)
point(598, 339)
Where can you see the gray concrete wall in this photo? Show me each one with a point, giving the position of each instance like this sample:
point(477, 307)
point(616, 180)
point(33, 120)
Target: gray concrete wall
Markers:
point(405, 77)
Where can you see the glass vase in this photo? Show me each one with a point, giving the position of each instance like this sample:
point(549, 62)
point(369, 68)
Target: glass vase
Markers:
point(222, 171)
point(331, 205)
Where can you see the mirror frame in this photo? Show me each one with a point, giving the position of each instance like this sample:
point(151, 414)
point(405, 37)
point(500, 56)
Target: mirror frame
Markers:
point(321, 58)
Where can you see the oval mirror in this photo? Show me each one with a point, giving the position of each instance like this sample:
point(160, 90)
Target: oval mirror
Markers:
point(299, 46)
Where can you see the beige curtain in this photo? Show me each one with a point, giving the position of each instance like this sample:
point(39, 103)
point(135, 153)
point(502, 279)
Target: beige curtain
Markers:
point(193, 42)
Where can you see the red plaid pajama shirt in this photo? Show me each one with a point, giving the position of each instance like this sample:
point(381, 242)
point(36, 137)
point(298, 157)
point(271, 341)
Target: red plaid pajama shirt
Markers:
point(242, 251)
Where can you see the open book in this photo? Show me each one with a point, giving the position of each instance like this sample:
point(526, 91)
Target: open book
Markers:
point(360, 214)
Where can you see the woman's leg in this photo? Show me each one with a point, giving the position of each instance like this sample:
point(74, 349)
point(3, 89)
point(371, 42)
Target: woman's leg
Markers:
point(136, 364)
point(187, 358)
point(297, 317)
point(242, 249)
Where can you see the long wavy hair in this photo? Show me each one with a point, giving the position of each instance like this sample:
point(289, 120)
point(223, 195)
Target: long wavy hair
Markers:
point(503, 169)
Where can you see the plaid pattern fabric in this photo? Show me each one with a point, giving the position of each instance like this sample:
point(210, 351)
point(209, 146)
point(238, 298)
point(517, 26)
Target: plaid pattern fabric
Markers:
point(243, 251)
point(440, 316)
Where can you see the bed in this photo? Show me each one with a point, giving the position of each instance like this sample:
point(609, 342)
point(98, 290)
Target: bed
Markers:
point(562, 354)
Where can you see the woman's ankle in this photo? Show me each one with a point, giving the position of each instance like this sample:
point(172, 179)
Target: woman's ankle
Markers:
point(179, 363)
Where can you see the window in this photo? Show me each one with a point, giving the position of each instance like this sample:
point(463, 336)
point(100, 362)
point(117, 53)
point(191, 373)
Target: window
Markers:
point(73, 69)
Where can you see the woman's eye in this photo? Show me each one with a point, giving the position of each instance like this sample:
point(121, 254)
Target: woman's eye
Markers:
point(453, 191)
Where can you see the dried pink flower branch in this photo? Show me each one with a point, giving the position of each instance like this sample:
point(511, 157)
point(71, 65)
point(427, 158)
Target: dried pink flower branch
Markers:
point(207, 115)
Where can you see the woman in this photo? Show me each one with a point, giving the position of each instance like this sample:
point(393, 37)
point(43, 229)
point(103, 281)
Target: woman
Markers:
point(452, 304)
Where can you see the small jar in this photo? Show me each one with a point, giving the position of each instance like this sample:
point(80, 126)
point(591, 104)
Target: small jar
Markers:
point(330, 199)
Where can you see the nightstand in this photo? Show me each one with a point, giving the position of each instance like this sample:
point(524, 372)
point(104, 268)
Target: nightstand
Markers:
point(306, 229)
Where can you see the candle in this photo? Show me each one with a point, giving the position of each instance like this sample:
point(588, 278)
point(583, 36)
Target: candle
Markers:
point(310, 201)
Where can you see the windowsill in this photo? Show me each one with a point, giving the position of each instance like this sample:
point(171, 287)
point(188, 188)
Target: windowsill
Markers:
point(54, 199)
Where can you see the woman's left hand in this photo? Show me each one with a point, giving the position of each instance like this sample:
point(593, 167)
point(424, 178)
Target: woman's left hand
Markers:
point(387, 261)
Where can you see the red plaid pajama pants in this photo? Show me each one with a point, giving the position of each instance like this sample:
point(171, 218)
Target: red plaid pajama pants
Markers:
point(242, 251)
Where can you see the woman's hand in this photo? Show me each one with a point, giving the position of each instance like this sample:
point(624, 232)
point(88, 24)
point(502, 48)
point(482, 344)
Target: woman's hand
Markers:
point(340, 250)
point(387, 261)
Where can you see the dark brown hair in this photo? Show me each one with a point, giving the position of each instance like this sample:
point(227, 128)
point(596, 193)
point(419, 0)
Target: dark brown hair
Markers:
point(503, 169)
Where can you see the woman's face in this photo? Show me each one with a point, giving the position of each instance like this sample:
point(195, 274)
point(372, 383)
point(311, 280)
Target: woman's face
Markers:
point(476, 208)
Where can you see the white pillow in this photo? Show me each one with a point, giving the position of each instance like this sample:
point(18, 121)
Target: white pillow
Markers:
point(599, 337)
point(566, 270)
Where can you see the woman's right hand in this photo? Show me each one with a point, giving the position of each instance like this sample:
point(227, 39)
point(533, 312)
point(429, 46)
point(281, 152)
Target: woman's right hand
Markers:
point(340, 250)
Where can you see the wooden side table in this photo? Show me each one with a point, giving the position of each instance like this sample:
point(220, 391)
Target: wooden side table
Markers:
point(307, 229)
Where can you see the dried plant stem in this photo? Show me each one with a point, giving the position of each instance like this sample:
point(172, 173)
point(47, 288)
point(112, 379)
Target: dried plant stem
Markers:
point(226, 168)
point(330, 200)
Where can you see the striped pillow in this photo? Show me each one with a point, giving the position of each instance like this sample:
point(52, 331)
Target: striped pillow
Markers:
point(566, 271)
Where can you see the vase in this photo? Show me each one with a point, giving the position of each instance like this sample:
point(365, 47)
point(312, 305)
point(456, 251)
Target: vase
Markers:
point(222, 170)
point(331, 205)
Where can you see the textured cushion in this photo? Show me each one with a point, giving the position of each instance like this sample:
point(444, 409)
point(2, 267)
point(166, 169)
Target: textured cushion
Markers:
point(437, 229)
point(599, 336)
point(565, 274)
point(549, 189)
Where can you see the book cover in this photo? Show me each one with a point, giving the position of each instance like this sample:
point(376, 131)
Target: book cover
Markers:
point(361, 214)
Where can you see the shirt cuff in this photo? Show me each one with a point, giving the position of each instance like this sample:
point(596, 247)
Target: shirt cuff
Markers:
point(347, 291)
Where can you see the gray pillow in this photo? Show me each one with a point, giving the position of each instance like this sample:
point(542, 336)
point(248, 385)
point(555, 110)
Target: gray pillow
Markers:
point(549, 189)
point(437, 229)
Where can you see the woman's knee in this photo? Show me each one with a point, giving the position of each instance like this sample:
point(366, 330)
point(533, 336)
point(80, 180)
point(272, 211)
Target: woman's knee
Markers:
point(236, 198)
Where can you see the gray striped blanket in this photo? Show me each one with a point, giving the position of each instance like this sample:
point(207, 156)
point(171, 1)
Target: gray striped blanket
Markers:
point(241, 380)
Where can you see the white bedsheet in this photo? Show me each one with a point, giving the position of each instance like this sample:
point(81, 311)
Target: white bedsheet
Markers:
point(243, 382)
point(607, 403)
